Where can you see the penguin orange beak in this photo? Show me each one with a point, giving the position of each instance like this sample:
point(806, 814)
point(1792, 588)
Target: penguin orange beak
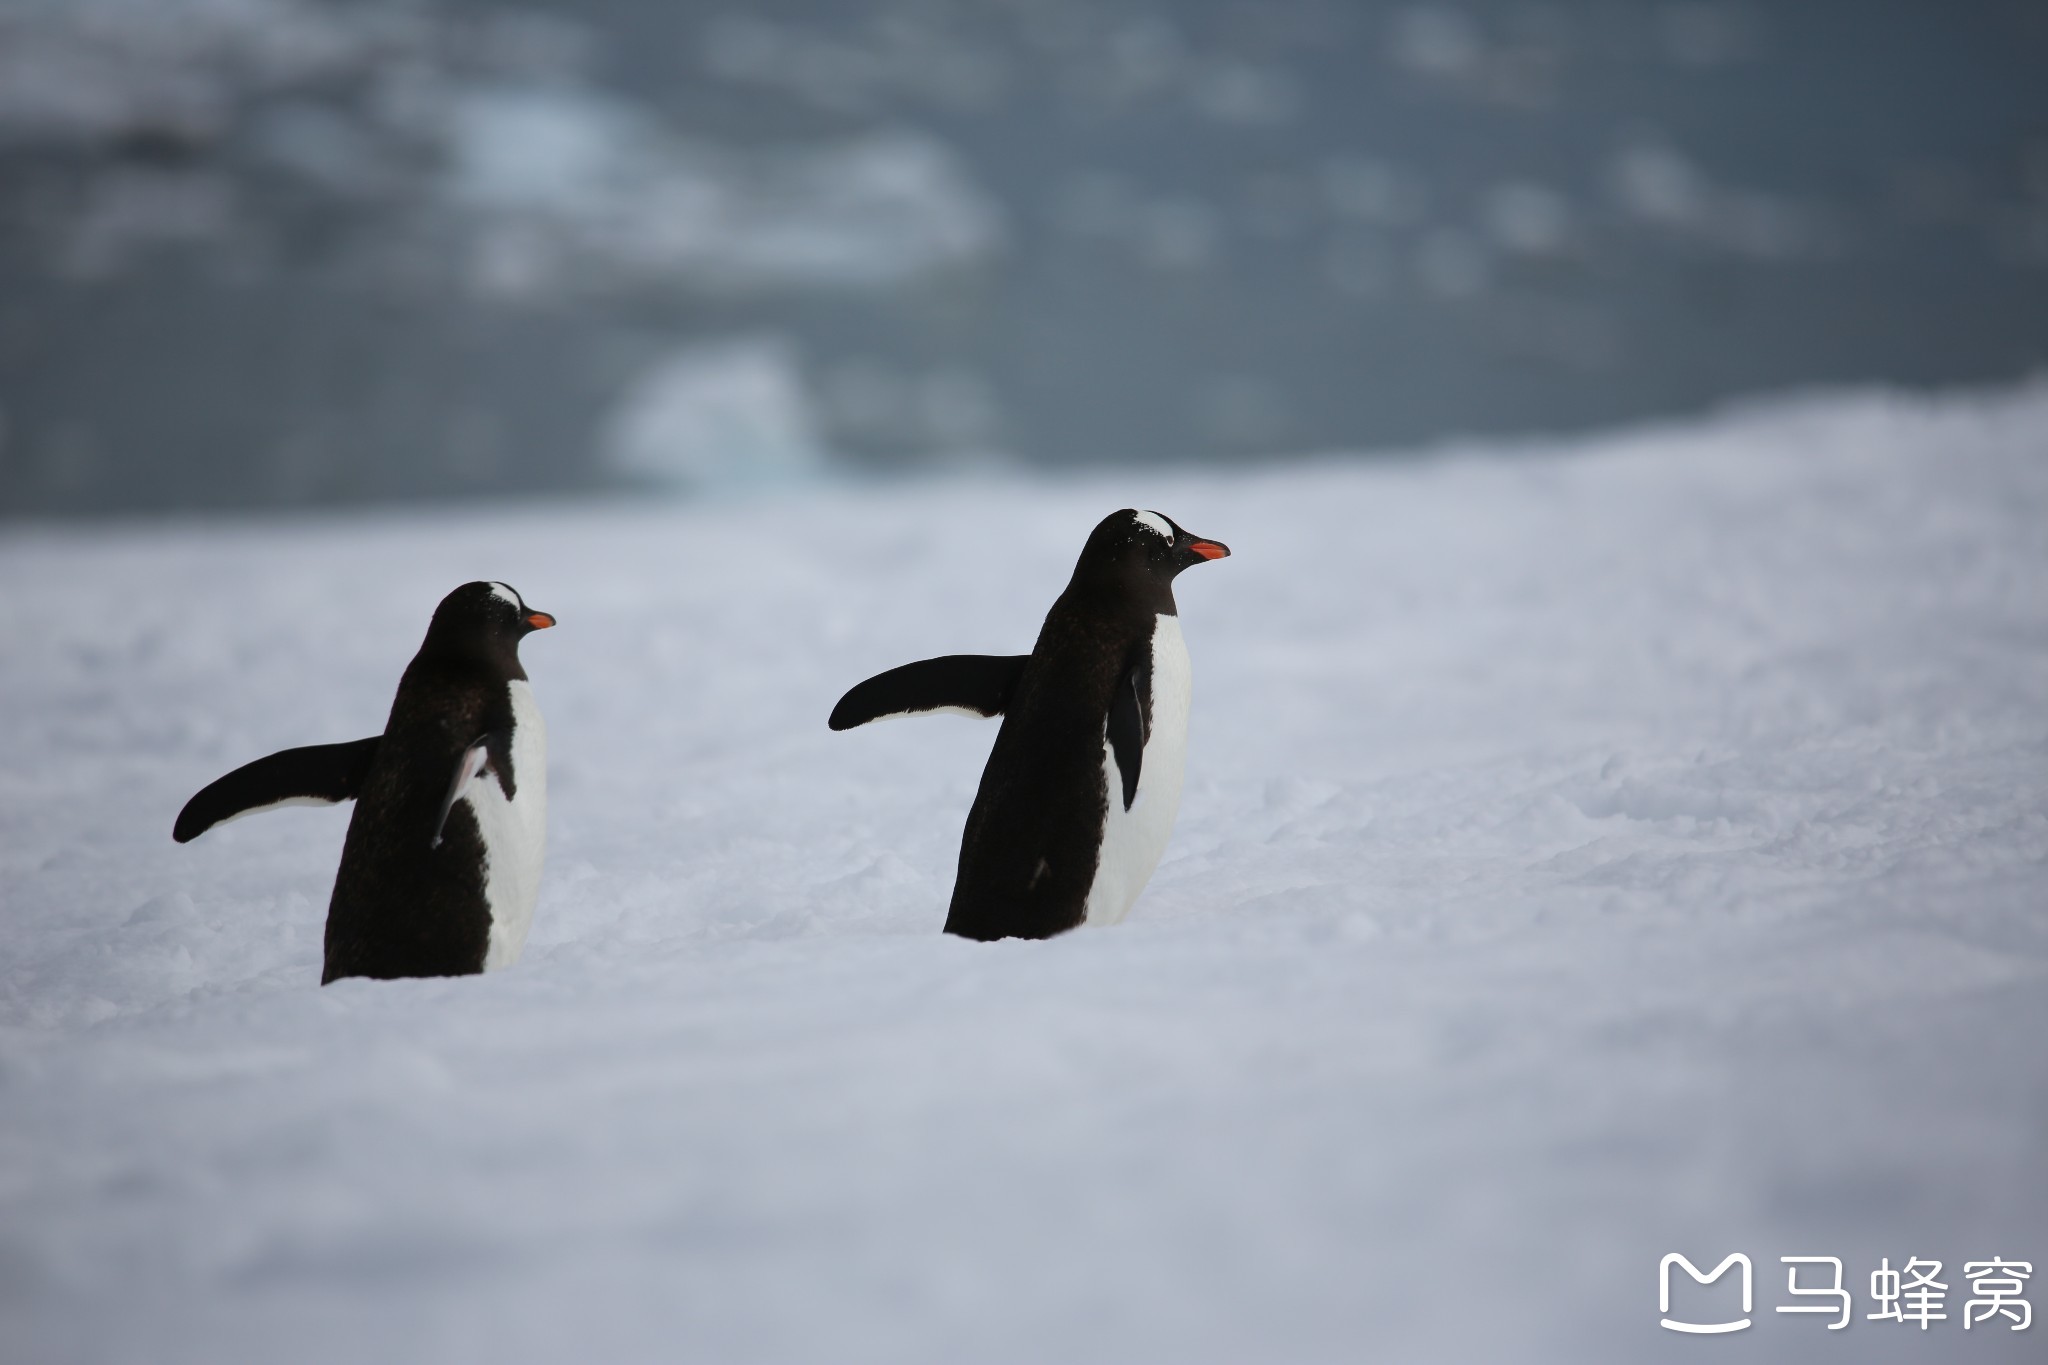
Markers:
point(1208, 549)
point(540, 620)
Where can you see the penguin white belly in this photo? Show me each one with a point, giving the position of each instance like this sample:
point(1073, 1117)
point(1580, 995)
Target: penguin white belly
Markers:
point(514, 832)
point(1134, 839)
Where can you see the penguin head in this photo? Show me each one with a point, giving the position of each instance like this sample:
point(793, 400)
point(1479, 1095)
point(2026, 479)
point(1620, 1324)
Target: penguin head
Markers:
point(484, 618)
point(1145, 546)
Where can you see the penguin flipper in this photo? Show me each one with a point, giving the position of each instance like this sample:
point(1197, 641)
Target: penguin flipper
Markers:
point(490, 753)
point(965, 684)
point(1126, 726)
point(317, 775)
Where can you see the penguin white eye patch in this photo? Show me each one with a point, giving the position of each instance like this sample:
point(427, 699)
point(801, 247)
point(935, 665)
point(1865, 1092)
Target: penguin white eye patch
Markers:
point(1152, 521)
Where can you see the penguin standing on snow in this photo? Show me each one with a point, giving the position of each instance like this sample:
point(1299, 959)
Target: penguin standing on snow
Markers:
point(442, 862)
point(1083, 784)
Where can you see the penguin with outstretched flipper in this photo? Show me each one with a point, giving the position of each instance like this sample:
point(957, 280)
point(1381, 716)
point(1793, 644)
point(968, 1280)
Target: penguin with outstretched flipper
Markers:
point(442, 862)
point(1082, 786)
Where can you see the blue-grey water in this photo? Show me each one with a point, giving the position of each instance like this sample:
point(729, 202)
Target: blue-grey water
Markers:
point(283, 252)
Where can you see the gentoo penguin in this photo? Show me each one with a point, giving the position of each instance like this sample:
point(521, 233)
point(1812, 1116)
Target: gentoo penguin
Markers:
point(1082, 786)
point(442, 862)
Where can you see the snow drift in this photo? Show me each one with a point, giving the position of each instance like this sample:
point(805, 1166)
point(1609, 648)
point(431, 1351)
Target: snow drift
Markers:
point(1589, 852)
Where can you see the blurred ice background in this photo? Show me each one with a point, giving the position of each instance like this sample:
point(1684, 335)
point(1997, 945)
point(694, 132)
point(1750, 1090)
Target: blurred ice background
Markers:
point(279, 252)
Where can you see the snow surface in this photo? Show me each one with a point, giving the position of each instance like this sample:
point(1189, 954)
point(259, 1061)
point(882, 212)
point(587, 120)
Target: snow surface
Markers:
point(1590, 851)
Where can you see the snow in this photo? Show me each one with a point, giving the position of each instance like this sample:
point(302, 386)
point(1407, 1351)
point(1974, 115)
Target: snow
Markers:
point(1591, 850)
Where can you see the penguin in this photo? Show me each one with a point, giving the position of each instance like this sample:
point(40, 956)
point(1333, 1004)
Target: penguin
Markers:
point(442, 862)
point(1083, 783)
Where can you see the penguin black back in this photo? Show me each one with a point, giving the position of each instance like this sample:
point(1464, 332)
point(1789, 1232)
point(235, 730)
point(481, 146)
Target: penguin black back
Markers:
point(1083, 781)
point(442, 858)
point(408, 903)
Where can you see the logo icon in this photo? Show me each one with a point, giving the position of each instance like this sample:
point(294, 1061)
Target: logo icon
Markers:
point(1703, 1328)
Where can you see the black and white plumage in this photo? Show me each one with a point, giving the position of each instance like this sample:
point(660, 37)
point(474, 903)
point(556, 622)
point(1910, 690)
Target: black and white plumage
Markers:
point(1083, 784)
point(442, 863)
